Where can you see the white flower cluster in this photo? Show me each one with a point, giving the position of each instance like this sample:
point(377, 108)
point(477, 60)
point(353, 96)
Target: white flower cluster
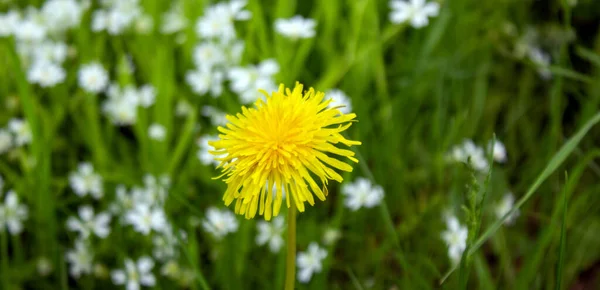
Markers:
point(310, 262)
point(475, 156)
point(504, 206)
point(416, 12)
point(37, 33)
point(122, 104)
point(219, 223)
point(12, 212)
point(271, 232)
point(17, 134)
point(116, 16)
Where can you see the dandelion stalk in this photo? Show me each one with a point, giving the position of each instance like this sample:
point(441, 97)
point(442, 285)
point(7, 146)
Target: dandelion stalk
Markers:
point(290, 261)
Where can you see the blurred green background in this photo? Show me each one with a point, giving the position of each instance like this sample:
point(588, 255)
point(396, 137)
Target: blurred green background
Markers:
point(468, 74)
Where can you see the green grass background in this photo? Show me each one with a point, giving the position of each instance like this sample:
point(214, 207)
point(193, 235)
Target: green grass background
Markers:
point(416, 93)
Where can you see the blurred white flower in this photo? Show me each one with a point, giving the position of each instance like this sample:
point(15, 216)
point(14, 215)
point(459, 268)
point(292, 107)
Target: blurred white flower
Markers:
point(310, 262)
point(6, 141)
point(123, 201)
point(504, 206)
point(144, 24)
point(499, 151)
point(9, 22)
point(121, 105)
point(21, 131)
point(165, 245)
point(296, 27)
point(43, 266)
point(339, 99)
point(60, 15)
point(46, 74)
point(206, 55)
point(331, 235)
point(29, 30)
point(116, 17)
point(81, 259)
point(50, 52)
point(12, 214)
point(88, 223)
point(157, 132)
point(146, 96)
point(203, 153)
point(361, 193)
point(203, 80)
point(218, 19)
point(219, 223)
point(471, 154)
point(183, 108)
point(417, 12)
point(247, 81)
point(217, 117)
point(456, 238)
point(271, 232)
point(93, 78)
point(542, 60)
point(173, 20)
point(145, 218)
point(135, 274)
point(85, 181)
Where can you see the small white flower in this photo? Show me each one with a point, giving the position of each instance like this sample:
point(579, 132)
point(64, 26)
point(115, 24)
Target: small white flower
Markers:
point(144, 24)
point(44, 266)
point(157, 132)
point(247, 81)
point(9, 22)
point(88, 223)
point(173, 20)
point(165, 245)
point(206, 55)
point(456, 238)
point(30, 31)
point(271, 232)
point(499, 151)
point(471, 154)
point(218, 19)
point(203, 80)
point(296, 27)
point(135, 274)
point(123, 201)
point(203, 153)
point(541, 60)
point(81, 259)
point(331, 235)
point(46, 74)
point(504, 206)
point(146, 96)
point(339, 99)
point(21, 131)
point(12, 214)
point(145, 218)
point(121, 105)
point(118, 17)
point(6, 141)
point(219, 223)
point(310, 262)
point(85, 181)
point(362, 193)
point(61, 15)
point(417, 12)
point(49, 52)
point(93, 78)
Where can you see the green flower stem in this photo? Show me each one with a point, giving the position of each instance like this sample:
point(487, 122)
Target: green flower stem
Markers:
point(290, 262)
point(4, 259)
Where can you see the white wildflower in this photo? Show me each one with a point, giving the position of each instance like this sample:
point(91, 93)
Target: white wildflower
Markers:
point(219, 223)
point(93, 78)
point(12, 214)
point(217, 117)
point(145, 218)
point(6, 141)
point(218, 19)
point(206, 55)
point(331, 235)
point(471, 154)
point(310, 262)
point(456, 238)
point(146, 96)
point(21, 131)
point(362, 193)
point(339, 99)
point(203, 80)
point(417, 12)
point(81, 259)
point(503, 207)
point(9, 22)
point(157, 132)
point(88, 223)
point(135, 274)
point(173, 20)
point(85, 181)
point(296, 27)
point(247, 81)
point(271, 232)
point(60, 15)
point(46, 74)
point(499, 151)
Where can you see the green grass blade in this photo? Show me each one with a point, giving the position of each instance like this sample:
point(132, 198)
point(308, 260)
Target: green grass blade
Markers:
point(563, 245)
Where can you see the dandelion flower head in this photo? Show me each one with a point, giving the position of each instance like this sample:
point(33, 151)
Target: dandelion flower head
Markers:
point(283, 143)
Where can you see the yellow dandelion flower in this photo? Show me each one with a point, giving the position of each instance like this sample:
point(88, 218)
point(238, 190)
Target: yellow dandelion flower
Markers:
point(281, 145)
